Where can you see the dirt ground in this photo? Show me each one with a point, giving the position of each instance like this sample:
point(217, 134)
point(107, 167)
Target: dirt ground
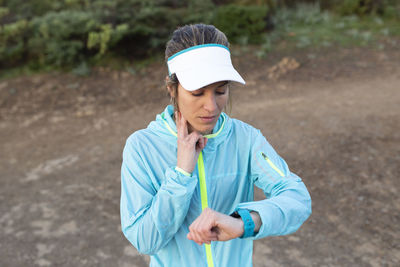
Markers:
point(335, 118)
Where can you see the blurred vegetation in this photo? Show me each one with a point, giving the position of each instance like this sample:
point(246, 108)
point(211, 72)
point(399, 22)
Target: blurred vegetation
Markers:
point(308, 25)
point(65, 34)
point(242, 24)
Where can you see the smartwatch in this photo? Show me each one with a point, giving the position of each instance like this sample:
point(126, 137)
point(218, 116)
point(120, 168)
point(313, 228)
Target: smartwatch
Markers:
point(248, 222)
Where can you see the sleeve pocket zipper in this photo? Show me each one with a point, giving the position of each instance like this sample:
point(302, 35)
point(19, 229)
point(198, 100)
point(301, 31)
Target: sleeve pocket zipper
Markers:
point(273, 166)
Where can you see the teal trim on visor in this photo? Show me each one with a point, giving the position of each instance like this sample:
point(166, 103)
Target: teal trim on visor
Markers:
point(195, 47)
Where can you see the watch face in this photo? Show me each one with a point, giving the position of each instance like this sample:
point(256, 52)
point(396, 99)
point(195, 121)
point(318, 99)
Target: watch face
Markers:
point(235, 215)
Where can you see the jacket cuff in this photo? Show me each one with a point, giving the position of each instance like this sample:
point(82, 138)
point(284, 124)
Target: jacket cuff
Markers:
point(179, 178)
point(183, 171)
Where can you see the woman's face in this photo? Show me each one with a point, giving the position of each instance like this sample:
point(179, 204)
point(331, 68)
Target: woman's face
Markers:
point(202, 107)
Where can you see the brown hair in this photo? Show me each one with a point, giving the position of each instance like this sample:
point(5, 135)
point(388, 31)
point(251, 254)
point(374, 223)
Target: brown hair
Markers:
point(188, 36)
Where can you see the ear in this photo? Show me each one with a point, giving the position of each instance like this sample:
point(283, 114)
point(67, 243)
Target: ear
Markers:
point(170, 90)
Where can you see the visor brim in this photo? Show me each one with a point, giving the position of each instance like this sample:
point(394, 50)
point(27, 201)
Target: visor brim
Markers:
point(193, 79)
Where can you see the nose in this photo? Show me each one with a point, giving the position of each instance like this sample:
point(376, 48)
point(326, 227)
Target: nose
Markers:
point(210, 102)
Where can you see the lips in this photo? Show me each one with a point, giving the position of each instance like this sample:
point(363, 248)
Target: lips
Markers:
point(208, 119)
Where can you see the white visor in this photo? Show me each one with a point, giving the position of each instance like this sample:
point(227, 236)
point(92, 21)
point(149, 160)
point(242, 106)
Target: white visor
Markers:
point(201, 65)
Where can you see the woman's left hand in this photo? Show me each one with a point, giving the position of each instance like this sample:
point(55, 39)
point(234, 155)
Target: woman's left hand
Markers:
point(214, 226)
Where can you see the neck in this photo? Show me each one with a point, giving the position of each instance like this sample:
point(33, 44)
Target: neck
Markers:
point(190, 129)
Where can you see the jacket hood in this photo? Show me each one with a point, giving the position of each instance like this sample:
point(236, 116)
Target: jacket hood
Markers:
point(164, 126)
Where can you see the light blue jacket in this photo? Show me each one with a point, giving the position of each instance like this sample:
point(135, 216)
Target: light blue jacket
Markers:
point(158, 203)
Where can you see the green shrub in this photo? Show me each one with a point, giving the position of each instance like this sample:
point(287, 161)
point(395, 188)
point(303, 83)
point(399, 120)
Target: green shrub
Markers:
point(359, 7)
point(310, 26)
point(106, 37)
point(269, 3)
point(12, 41)
point(148, 23)
point(69, 32)
point(59, 38)
point(242, 23)
point(392, 9)
point(198, 11)
point(22, 9)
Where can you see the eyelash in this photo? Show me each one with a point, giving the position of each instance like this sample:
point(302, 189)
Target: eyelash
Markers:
point(218, 93)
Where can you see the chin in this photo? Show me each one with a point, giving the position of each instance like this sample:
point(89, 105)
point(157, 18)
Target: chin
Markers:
point(206, 130)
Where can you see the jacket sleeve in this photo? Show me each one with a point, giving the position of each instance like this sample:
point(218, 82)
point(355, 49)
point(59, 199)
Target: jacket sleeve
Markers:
point(288, 202)
point(151, 213)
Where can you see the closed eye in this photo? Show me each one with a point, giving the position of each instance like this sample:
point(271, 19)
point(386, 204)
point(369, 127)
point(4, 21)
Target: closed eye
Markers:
point(198, 94)
point(220, 90)
point(217, 92)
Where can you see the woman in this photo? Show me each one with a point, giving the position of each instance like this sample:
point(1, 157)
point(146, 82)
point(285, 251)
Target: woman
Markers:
point(187, 179)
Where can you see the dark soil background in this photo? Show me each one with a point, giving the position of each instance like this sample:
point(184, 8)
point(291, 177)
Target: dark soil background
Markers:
point(334, 115)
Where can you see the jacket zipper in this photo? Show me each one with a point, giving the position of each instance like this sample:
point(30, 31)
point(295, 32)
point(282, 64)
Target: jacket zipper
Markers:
point(273, 166)
point(202, 179)
point(204, 202)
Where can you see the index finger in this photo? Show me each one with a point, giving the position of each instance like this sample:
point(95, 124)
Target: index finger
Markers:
point(181, 125)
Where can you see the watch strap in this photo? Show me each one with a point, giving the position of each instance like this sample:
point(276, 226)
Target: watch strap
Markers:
point(248, 223)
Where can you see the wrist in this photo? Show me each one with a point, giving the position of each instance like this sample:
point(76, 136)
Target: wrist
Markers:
point(257, 221)
point(240, 226)
point(248, 225)
point(187, 167)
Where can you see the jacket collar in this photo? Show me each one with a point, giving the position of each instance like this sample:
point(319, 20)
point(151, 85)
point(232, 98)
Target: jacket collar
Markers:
point(165, 127)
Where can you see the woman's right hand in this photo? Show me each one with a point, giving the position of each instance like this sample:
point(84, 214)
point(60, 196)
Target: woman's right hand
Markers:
point(189, 145)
